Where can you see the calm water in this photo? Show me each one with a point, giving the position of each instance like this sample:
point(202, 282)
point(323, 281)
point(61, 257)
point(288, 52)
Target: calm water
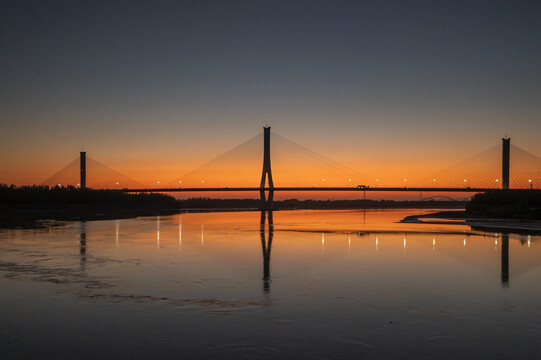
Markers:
point(316, 284)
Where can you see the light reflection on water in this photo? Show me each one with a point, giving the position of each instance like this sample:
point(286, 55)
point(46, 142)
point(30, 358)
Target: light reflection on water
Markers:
point(299, 284)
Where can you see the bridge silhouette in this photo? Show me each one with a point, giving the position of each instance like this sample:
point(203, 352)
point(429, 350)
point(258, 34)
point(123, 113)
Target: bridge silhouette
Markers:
point(297, 169)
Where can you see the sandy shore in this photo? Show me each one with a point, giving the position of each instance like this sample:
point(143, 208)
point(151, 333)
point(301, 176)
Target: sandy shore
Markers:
point(477, 223)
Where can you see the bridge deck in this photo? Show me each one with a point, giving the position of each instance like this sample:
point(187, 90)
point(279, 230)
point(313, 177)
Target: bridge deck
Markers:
point(224, 189)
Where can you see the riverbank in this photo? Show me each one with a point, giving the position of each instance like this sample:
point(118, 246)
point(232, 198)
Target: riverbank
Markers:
point(522, 204)
point(39, 206)
point(476, 222)
point(34, 206)
point(510, 210)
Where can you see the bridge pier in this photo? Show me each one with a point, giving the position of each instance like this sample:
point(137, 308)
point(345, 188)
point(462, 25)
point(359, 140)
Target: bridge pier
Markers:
point(266, 204)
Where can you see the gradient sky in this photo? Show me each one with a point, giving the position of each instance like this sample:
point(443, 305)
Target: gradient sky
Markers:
point(392, 89)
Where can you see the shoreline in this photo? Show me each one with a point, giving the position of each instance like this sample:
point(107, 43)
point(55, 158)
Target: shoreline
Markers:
point(43, 217)
point(476, 222)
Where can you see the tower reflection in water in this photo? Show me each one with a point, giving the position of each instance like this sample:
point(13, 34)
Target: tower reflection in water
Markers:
point(82, 244)
point(266, 243)
point(266, 235)
point(505, 259)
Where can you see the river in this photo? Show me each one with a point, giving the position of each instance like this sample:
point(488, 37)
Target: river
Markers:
point(314, 284)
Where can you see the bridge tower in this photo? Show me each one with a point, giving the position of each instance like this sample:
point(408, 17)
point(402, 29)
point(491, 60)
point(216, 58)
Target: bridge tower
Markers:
point(267, 173)
point(83, 169)
point(506, 149)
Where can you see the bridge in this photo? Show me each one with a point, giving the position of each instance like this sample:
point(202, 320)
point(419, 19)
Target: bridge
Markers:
point(248, 168)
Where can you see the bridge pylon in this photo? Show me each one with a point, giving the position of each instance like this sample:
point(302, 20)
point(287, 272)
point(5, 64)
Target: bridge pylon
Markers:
point(267, 173)
point(83, 169)
point(506, 150)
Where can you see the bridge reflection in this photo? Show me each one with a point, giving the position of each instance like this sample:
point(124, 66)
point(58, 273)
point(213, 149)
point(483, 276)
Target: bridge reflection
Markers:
point(266, 244)
point(82, 244)
point(505, 259)
point(266, 234)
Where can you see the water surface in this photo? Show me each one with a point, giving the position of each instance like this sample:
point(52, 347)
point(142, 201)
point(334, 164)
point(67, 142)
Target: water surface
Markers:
point(314, 284)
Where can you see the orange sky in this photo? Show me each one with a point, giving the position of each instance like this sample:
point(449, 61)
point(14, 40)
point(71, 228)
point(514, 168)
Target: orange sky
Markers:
point(405, 92)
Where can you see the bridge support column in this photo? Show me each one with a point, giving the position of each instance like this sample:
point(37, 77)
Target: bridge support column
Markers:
point(83, 169)
point(506, 150)
point(267, 173)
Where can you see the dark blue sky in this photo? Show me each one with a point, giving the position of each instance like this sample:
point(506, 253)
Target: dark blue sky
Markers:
point(136, 79)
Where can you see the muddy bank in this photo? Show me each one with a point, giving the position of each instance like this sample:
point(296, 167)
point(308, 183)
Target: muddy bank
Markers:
point(476, 222)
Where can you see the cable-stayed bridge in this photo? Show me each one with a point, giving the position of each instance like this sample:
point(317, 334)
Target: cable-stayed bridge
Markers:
point(256, 166)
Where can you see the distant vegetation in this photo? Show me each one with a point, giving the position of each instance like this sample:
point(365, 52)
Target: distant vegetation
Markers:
point(203, 203)
point(506, 204)
point(13, 197)
point(19, 205)
point(22, 206)
point(44, 196)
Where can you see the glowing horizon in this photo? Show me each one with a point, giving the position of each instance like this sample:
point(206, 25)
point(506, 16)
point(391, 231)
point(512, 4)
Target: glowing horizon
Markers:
point(392, 92)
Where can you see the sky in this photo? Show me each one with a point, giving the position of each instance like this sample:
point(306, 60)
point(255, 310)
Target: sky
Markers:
point(392, 89)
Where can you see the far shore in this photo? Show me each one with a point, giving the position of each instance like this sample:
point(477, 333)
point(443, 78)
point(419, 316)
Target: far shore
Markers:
point(476, 222)
point(25, 216)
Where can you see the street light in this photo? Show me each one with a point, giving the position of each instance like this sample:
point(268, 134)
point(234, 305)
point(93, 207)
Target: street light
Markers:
point(531, 185)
